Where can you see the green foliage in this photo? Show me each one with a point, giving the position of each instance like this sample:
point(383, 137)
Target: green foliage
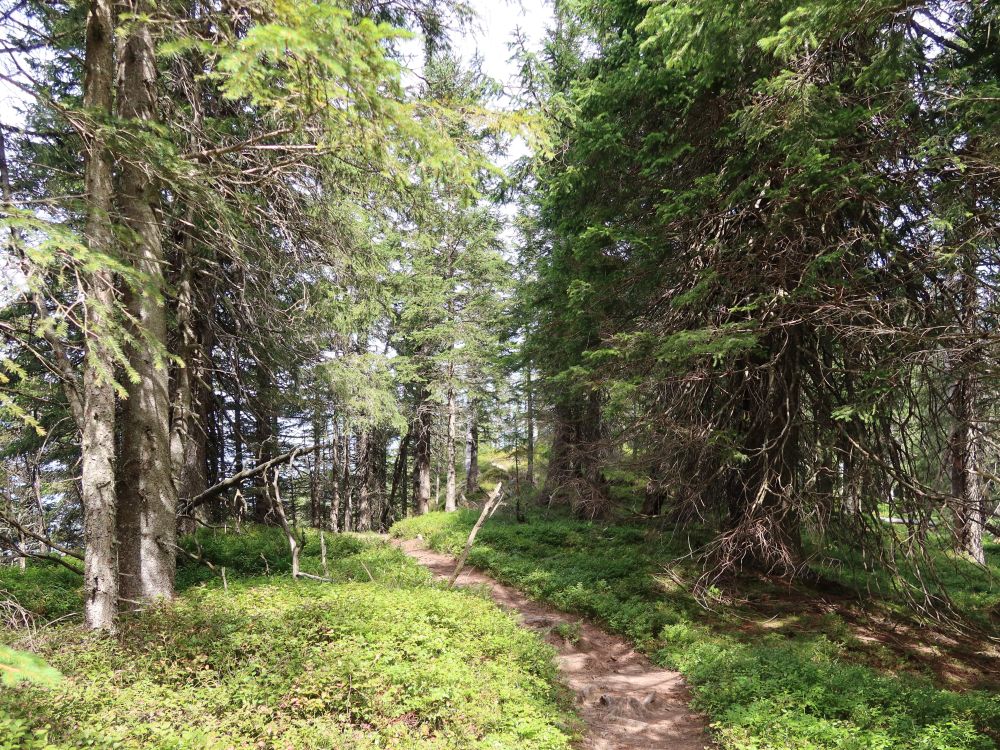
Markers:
point(274, 663)
point(15, 734)
point(19, 666)
point(800, 689)
point(262, 550)
point(47, 590)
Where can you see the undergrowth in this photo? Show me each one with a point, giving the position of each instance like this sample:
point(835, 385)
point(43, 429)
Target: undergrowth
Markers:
point(803, 687)
point(380, 659)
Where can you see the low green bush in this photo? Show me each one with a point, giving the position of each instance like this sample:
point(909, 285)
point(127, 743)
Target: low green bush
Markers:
point(46, 589)
point(273, 664)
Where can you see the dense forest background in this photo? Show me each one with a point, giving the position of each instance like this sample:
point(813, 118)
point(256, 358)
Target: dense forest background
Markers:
point(725, 274)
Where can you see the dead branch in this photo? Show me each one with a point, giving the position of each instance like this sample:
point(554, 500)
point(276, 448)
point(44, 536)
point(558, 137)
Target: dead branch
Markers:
point(39, 537)
point(217, 489)
point(491, 501)
point(39, 556)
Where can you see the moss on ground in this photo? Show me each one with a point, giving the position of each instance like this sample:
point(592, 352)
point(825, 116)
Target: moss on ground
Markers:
point(394, 662)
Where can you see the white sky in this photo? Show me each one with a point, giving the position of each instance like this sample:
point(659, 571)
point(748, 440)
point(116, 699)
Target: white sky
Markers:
point(495, 29)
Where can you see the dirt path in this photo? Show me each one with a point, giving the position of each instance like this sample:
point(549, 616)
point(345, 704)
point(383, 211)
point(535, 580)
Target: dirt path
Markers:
point(625, 701)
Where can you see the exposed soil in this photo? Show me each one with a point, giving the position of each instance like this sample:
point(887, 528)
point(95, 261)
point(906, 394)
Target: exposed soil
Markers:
point(624, 700)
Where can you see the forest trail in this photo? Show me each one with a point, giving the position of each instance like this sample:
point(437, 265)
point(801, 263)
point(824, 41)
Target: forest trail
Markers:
point(623, 698)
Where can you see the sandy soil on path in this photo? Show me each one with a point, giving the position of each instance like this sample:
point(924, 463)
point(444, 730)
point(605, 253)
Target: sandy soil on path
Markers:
point(625, 701)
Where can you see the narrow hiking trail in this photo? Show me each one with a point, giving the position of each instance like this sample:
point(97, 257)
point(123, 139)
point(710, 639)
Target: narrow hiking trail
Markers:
point(623, 698)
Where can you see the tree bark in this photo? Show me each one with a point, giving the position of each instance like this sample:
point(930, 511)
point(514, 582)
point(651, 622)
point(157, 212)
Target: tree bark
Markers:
point(148, 527)
point(560, 467)
point(530, 477)
point(472, 451)
point(98, 418)
point(347, 492)
point(334, 479)
point(764, 517)
point(422, 454)
point(381, 509)
point(966, 479)
point(266, 446)
point(364, 480)
point(399, 474)
point(575, 473)
point(316, 477)
point(92, 397)
point(190, 422)
point(450, 504)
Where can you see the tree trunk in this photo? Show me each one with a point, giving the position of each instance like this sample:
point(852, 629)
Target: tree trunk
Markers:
point(149, 502)
point(364, 480)
point(92, 397)
point(266, 446)
point(381, 505)
point(316, 477)
point(764, 516)
point(347, 491)
point(190, 423)
point(560, 465)
point(966, 479)
point(422, 455)
point(531, 430)
point(450, 504)
point(575, 473)
point(399, 474)
point(404, 485)
point(472, 452)
point(334, 479)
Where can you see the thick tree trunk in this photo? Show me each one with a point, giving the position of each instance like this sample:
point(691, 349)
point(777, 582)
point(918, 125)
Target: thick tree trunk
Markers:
point(450, 504)
point(654, 495)
point(422, 455)
point(472, 451)
point(764, 516)
point(92, 398)
point(149, 501)
point(101, 588)
point(560, 469)
point(967, 489)
point(575, 473)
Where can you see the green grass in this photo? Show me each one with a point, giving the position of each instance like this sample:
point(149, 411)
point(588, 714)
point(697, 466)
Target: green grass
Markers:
point(48, 590)
point(973, 590)
point(802, 682)
point(396, 662)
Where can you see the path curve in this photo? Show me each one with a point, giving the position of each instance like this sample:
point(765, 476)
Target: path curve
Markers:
point(625, 700)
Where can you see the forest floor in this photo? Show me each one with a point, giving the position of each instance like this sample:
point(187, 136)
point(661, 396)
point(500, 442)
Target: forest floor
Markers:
point(623, 698)
point(773, 664)
point(382, 658)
